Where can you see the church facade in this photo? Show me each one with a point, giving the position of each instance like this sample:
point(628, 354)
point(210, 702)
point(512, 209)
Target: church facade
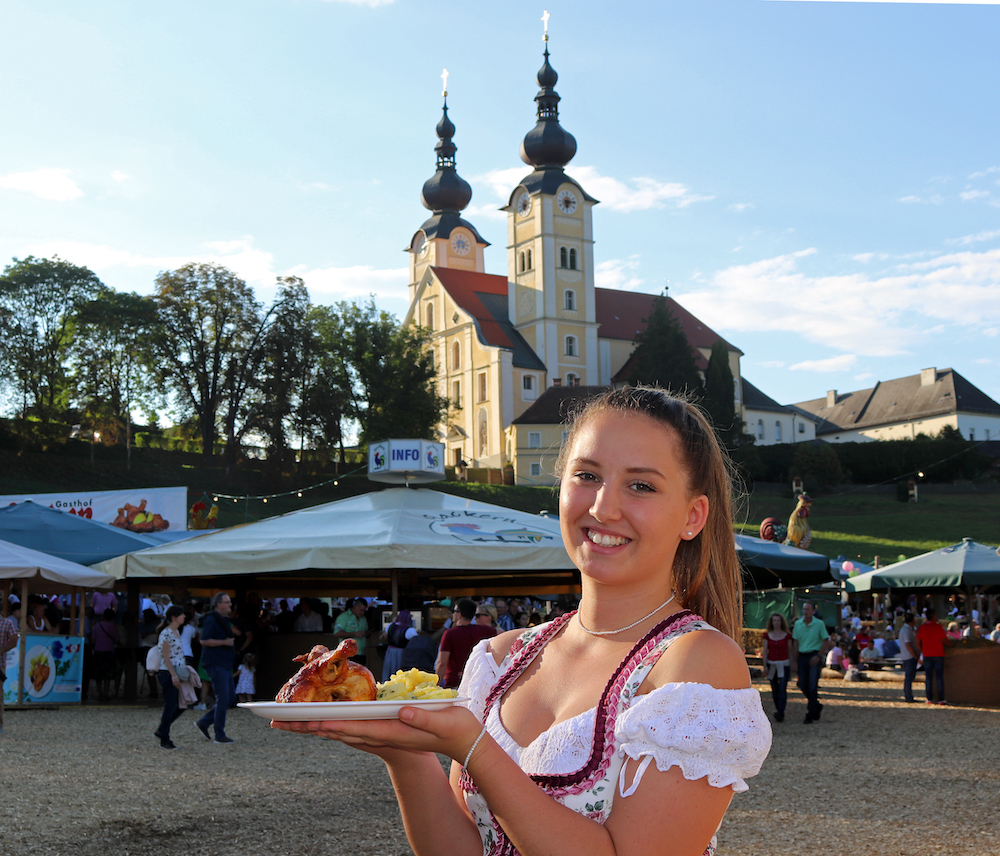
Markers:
point(502, 342)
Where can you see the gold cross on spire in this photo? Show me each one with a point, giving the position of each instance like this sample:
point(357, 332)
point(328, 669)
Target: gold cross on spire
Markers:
point(444, 78)
point(545, 21)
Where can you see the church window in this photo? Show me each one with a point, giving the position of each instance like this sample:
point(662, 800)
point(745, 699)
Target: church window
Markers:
point(760, 429)
point(777, 432)
point(528, 387)
point(522, 261)
point(456, 356)
point(482, 386)
point(572, 379)
point(571, 346)
point(534, 439)
point(572, 259)
point(429, 316)
point(456, 393)
point(536, 469)
point(569, 300)
point(563, 257)
point(530, 264)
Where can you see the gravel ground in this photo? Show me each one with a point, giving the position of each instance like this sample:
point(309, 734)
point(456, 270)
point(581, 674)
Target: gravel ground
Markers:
point(874, 776)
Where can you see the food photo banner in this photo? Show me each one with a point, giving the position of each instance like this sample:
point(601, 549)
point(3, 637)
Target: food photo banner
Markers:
point(53, 668)
point(146, 509)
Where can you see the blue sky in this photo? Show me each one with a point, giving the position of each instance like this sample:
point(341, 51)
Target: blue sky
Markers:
point(818, 181)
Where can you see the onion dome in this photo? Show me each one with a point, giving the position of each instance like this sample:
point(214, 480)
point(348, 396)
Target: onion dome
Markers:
point(446, 190)
point(548, 144)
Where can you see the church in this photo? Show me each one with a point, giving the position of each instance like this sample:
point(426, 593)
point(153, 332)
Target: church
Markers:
point(510, 349)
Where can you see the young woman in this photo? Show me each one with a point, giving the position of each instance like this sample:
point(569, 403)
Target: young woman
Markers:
point(777, 663)
point(555, 752)
point(172, 664)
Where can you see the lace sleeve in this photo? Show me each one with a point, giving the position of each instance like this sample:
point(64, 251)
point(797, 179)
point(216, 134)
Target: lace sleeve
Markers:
point(723, 735)
point(481, 673)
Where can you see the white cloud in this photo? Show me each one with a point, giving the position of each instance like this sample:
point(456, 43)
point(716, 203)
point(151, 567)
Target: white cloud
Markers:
point(965, 240)
point(878, 315)
point(630, 194)
point(861, 378)
point(969, 195)
point(864, 258)
point(487, 212)
point(328, 285)
point(118, 175)
point(54, 184)
point(936, 199)
point(773, 364)
point(619, 274)
point(984, 361)
point(830, 364)
point(638, 194)
point(985, 172)
point(740, 207)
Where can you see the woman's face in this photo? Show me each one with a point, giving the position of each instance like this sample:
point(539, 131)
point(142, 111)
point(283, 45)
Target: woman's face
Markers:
point(775, 622)
point(625, 504)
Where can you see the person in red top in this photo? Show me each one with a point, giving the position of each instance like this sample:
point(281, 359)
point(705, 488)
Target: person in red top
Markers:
point(776, 662)
point(931, 639)
point(458, 642)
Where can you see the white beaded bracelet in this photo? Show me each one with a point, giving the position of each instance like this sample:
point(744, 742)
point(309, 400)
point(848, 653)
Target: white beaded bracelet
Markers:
point(472, 748)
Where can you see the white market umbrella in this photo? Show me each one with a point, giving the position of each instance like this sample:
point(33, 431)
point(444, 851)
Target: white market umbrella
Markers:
point(23, 563)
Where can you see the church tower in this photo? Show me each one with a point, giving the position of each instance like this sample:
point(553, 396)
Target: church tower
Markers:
point(445, 240)
point(550, 252)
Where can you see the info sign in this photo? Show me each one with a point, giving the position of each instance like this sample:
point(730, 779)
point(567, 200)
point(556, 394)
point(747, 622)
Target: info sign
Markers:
point(406, 461)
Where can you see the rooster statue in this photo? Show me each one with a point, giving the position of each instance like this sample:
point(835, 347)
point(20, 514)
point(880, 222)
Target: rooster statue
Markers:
point(797, 533)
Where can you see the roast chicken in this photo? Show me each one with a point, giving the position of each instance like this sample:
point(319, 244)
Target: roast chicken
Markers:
point(329, 676)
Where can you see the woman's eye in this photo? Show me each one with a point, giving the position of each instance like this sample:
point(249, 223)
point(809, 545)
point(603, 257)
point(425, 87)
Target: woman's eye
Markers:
point(585, 476)
point(643, 487)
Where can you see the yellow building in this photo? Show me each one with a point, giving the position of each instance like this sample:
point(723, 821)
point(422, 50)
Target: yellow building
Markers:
point(502, 343)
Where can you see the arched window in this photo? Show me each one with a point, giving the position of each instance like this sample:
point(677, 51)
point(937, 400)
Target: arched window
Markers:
point(777, 432)
point(572, 259)
point(530, 264)
point(522, 262)
point(569, 300)
point(563, 258)
point(456, 357)
point(429, 316)
point(571, 346)
point(760, 429)
point(572, 379)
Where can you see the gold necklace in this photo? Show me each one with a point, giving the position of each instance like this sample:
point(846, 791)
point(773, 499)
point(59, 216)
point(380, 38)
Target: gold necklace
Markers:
point(628, 627)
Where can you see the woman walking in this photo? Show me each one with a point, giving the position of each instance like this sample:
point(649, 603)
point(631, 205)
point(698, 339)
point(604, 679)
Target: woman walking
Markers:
point(777, 662)
point(173, 669)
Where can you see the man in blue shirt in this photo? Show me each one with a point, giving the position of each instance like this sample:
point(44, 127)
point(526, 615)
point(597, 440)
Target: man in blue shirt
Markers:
point(217, 658)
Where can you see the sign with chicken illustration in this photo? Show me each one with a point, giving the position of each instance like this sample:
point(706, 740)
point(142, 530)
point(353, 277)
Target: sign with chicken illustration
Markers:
point(153, 509)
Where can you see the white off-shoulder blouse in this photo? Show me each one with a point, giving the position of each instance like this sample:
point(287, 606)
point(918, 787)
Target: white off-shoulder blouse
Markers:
point(721, 735)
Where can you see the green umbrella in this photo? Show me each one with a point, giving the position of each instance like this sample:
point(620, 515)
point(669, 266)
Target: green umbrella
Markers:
point(967, 564)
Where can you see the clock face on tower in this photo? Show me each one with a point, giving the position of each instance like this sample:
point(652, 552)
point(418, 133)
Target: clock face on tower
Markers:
point(460, 244)
point(524, 204)
point(567, 202)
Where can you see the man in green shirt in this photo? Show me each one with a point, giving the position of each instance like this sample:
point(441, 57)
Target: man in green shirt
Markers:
point(352, 624)
point(811, 642)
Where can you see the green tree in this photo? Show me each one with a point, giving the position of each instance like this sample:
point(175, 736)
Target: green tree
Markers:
point(289, 346)
point(38, 303)
point(720, 397)
point(328, 394)
point(391, 371)
point(207, 348)
point(663, 355)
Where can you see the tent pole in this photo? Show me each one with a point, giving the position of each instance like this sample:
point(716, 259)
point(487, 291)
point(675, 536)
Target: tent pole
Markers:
point(23, 646)
point(394, 576)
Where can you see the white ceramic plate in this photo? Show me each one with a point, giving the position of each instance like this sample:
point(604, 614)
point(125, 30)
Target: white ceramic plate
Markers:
point(29, 685)
point(306, 711)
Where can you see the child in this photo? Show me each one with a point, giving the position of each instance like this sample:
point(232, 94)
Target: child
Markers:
point(245, 678)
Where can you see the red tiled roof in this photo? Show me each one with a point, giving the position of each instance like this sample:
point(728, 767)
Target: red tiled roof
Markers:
point(462, 285)
point(621, 315)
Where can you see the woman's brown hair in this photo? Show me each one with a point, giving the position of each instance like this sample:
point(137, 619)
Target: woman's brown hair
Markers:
point(706, 572)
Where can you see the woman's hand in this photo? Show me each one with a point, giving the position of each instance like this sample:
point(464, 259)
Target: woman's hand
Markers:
point(448, 732)
point(176, 680)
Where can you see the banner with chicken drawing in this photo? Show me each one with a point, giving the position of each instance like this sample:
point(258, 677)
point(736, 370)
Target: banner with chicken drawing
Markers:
point(147, 509)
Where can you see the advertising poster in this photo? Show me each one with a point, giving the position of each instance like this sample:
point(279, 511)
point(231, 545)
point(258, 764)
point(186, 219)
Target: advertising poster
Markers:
point(145, 509)
point(53, 670)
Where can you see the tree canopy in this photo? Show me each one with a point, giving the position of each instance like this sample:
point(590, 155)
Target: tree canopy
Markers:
point(663, 355)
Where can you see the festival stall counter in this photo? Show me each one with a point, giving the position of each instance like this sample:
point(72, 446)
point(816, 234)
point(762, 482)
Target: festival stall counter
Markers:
point(44, 668)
